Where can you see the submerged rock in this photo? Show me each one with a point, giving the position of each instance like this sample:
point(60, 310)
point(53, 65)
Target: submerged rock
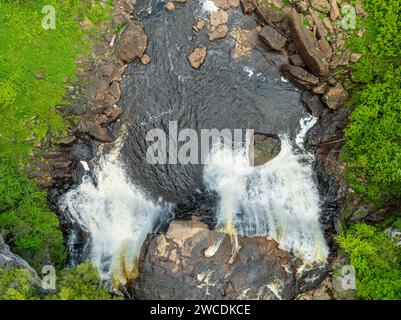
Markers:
point(192, 262)
point(217, 18)
point(197, 57)
point(169, 6)
point(219, 33)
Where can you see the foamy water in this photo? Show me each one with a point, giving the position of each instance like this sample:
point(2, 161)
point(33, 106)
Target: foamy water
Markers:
point(117, 215)
point(278, 200)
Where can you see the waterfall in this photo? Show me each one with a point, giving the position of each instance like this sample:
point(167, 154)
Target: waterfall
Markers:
point(116, 214)
point(278, 200)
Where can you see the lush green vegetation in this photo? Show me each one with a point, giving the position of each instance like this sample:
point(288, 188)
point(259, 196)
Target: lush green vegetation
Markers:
point(78, 283)
point(374, 134)
point(15, 285)
point(27, 111)
point(32, 230)
point(81, 282)
point(36, 65)
point(376, 259)
point(373, 147)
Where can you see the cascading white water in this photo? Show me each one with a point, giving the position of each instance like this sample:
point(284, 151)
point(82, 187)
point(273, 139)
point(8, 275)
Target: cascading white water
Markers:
point(278, 199)
point(117, 216)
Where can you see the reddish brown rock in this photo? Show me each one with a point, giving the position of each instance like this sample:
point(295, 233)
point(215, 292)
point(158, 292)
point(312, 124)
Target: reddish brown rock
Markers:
point(115, 90)
point(219, 33)
point(313, 58)
point(296, 60)
point(325, 48)
point(247, 6)
point(272, 38)
point(198, 56)
point(187, 263)
point(132, 43)
point(321, 31)
point(335, 97)
point(320, 89)
point(300, 76)
point(302, 6)
point(97, 131)
point(321, 5)
point(334, 11)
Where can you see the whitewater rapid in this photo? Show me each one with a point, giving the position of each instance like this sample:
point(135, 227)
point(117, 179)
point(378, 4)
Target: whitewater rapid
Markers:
point(279, 199)
point(117, 215)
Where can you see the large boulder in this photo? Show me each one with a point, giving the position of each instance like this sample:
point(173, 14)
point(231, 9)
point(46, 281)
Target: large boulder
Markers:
point(306, 45)
point(132, 43)
point(189, 262)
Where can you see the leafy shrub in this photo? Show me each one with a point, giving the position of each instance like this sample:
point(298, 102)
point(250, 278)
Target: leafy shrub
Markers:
point(32, 230)
point(81, 282)
point(374, 132)
point(27, 111)
point(374, 140)
point(15, 285)
point(376, 259)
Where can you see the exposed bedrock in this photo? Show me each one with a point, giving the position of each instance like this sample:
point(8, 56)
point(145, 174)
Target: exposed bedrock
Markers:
point(174, 266)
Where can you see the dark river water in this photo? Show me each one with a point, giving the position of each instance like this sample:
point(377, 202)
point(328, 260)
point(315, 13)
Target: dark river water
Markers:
point(241, 94)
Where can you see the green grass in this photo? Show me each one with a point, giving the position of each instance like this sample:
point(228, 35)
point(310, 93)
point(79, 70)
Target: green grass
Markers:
point(27, 105)
point(28, 111)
